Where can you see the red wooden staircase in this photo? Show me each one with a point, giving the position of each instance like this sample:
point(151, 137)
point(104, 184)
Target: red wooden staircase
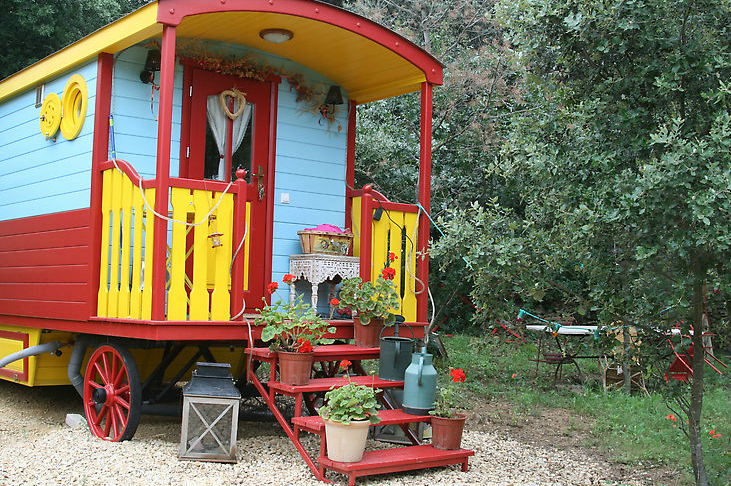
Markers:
point(393, 459)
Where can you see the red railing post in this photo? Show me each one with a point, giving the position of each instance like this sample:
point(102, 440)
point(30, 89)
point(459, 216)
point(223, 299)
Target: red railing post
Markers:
point(366, 232)
point(239, 247)
point(164, 129)
point(422, 270)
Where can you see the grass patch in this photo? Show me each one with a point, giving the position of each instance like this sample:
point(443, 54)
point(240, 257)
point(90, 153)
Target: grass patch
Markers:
point(633, 428)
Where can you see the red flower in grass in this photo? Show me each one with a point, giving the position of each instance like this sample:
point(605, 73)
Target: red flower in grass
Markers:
point(712, 432)
point(289, 278)
point(344, 364)
point(272, 287)
point(671, 417)
point(334, 302)
point(388, 273)
point(458, 375)
point(305, 346)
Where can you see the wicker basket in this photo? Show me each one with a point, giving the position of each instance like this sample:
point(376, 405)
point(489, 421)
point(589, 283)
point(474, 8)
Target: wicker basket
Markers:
point(325, 242)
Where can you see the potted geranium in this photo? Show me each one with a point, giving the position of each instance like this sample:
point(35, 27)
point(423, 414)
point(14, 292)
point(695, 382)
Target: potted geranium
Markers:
point(349, 412)
point(447, 425)
point(294, 329)
point(373, 303)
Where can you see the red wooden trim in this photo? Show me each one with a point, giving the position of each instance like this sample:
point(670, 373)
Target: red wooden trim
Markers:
point(100, 151)
point(78, 218)
point(25, 339)
point(72, 273)
point(49, 291)
point(350, 166)
point(45, 256)
point(271, 167)
point(237, 266)
point(172, 12)
point(164, 129)
point(366, 231)
point(391, 206)
point(186, 113)
point(128, 170)
point(375, 194)
point(42, 239)
point(424, 196)
point(202, 184)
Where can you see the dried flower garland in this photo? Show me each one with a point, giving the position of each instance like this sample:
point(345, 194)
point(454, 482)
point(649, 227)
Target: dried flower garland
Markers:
point(201, 54)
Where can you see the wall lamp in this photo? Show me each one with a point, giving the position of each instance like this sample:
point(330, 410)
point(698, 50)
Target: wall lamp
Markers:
point(152, 64)
point(276, 36)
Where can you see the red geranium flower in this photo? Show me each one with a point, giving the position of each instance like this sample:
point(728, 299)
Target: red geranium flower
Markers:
point(392, 257)
point(388, 273)
point(671, 417)
point(458, 375)
point(289, 278)
point(305, 346)
point(272, 287)
point(344, 364)
point(334, 302)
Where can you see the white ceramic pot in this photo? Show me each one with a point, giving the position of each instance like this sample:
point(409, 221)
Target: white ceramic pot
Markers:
point(346, 443)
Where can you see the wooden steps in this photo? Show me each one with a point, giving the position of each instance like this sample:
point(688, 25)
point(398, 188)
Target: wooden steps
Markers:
point(325, 384)
point(397, 459)
point(315, 425)
point(380, 461)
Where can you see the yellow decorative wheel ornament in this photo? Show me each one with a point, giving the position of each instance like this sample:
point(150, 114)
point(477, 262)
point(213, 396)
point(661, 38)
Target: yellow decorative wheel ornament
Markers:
point(50, 115)
point(74, 101)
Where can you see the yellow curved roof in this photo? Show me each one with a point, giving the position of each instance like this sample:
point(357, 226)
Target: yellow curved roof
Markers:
point(368, 61)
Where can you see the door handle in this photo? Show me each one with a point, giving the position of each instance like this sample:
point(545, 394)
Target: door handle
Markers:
point(260, 182)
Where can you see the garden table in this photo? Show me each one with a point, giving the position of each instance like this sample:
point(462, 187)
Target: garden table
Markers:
point(565, 355)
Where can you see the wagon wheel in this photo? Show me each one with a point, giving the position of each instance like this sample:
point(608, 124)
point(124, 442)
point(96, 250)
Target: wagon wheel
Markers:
point(112, 393)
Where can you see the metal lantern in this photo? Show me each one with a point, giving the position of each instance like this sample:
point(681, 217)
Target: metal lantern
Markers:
point(210, 415)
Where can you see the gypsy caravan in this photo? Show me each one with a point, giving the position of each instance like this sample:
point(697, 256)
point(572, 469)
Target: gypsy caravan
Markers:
point(154, 178)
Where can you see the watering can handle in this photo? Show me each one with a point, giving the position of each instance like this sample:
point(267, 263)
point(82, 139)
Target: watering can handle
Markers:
point(421, 367)
point(413, 336)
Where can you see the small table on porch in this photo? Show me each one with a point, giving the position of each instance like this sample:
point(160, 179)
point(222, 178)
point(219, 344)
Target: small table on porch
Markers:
point(317, 268)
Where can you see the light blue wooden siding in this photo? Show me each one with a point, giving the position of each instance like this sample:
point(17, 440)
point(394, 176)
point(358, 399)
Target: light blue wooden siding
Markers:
point(39, 176)
point(135, 122)
point(310, 167)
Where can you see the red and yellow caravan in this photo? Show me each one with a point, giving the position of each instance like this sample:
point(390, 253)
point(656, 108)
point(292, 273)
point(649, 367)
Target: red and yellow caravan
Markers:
point(125, 222)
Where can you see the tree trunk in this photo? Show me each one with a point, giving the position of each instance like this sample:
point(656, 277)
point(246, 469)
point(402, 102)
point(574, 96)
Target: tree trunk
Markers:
point(626, 359)
point(696, 388)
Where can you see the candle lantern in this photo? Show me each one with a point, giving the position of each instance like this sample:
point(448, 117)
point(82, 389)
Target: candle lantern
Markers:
point(210, 415)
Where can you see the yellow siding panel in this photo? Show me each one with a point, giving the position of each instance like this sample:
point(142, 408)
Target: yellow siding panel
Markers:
point(177, 297)
point(103, 294)
point(135, 306)
point(199, 299)
point(221, 297)
point(148, 263)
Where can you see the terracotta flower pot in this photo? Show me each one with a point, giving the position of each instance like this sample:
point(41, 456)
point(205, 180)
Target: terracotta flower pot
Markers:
point(447, 432)
point(367, 336)
point(294, 368)
point(346, 443)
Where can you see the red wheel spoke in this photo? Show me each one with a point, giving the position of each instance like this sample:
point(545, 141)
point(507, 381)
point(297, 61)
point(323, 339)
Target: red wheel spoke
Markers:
point(100, 372)
point(122, 402)
point(100, 416)
point(108, 424)
point(118, 378)
point(115, 426)
point(95, 384)
point(120, 415)
point(113, 375)
point(122, 391)
point(107, 376)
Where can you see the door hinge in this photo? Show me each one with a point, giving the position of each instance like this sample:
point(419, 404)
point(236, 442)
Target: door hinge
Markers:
point(190, 90)
point(187, 152)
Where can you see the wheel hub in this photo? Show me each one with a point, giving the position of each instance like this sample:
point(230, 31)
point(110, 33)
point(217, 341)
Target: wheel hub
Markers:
point(99, 395)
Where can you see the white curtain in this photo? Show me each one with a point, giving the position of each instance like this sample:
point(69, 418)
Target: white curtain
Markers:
point(217, 120)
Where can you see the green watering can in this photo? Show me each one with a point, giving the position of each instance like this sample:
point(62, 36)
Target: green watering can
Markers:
point(395, 353)
point(420, 384)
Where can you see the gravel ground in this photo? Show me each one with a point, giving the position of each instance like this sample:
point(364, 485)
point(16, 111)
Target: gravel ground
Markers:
point(37, 448)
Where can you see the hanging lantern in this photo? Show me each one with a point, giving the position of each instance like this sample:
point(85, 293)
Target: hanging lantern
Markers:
point(216, 239)
point(210, 415)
